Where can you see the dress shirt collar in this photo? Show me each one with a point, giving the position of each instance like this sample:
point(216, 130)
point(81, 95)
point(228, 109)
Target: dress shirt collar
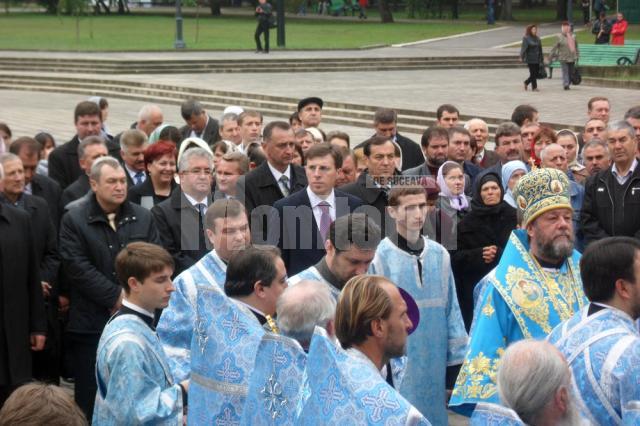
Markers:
point(195, 202)
point(315, 199)
point(137, 308)
point(277, 174)
point(623, 179)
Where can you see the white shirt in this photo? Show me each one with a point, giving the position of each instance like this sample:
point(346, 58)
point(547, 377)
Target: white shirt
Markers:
point(277, 175)
point(132, 174)
point(195, 202)
point(137, 308)
point(623, 179)
point(314, 199)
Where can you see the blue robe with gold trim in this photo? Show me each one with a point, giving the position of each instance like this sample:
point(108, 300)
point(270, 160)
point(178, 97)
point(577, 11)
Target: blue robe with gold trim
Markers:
point(440, 339)
point(603, 351)
point(135, 386)
point(519, 300)
point(175, 327)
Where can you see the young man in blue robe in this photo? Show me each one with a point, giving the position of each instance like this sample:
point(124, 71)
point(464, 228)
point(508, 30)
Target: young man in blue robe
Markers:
point(535, 286)
point(228, 231)
point(351, 245)
point(422, 268)
point(135, 385)
point(601, 342)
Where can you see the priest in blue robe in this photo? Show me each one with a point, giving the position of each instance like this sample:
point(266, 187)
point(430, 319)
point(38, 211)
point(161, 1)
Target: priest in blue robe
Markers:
point(228, 230)
point(135, 385)
point(601, 342)
point(422, 268)
point(535, 286)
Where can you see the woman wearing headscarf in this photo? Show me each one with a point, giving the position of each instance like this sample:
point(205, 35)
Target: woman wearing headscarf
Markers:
point(511, 173)
point(482, 235)
point(451, 182)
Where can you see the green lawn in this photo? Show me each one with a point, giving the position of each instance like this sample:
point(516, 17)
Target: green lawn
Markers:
point(42, 32)
point(585, 37)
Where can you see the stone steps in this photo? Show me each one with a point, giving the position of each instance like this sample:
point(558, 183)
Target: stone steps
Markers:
point(358, 115)
point(96, 66)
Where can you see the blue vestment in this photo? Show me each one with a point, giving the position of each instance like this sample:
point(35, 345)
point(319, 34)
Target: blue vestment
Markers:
point(345, 390)
point(440, 339)
point(518, 300)
point(223, 353)
point(487, 414)
point(276, 382)
point(603, 351)
point(312, 274)
point(175, 327)
point(135, 385)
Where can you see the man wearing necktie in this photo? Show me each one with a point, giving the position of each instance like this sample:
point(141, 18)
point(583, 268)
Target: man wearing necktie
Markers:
point(299, 224)
point(132, 144)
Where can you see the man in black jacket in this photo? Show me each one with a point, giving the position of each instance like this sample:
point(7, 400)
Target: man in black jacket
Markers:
point(180, 218)
point(63, 161)
point(199, 123)
point(22, 324)
point(611, 205)
point(274, 179)
point(89, 150)
point(28, 149)
point(91, 236)
point(385, 123)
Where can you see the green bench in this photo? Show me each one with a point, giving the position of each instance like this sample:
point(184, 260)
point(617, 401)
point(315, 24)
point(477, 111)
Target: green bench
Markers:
point(605, 55)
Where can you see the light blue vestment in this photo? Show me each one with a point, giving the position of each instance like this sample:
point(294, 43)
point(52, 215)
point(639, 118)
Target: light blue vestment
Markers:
point(276, 382)
point(518, 300)
point(345, 390)
point(135, 385)
point(603, 351)
point(487, 414)
point(440, 339)
point(223, 353)
point(175, 327)
point(312, 274)
point(632, 414)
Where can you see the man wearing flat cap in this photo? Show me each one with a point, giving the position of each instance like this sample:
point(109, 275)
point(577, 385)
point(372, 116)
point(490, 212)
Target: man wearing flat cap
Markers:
point(535, 286)
point(310, 111)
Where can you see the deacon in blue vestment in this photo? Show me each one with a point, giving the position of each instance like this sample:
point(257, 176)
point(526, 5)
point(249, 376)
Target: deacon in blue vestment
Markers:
point(422, 268)
point(350, 247)
point(228, 231)
point(227, 333)
point(535, 286)
point(348, 387)
point(601, 342)
point(135, 385)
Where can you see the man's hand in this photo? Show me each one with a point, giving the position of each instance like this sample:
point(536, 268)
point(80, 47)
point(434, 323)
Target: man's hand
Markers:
point(489, 253)
point(63, 304)
point(46, 289)
point(37, 342)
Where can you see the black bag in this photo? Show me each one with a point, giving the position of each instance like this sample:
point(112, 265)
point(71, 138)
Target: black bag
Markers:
point(576, 77)
point(542, 72)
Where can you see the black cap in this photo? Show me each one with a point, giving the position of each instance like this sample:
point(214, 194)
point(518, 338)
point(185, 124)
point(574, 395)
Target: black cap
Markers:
point(312, 100)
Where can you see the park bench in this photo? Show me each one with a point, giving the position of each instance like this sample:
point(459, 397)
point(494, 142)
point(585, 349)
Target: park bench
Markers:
point(605, 55)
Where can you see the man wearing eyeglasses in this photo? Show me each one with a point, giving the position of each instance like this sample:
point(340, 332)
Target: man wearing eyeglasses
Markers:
point(180, 218)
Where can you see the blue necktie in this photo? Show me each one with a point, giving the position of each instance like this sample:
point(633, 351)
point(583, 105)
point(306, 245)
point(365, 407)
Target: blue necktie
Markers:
point(139, 178)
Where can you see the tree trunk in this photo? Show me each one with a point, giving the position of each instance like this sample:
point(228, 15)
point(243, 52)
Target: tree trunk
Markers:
point(215, 7)
point(385, 11)
point(507, 10)
point(454, 9)
point(561, 10)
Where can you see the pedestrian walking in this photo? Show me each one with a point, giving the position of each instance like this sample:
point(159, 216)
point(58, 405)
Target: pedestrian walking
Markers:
point(531, 54)
point(263, 13)
point(566, 51)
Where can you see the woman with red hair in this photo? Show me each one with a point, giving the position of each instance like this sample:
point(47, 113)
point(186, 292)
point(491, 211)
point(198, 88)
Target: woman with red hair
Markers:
point(160, 161)
point(545, 136)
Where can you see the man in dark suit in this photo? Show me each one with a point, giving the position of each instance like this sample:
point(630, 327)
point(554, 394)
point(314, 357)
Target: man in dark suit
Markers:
point(23, 323)
point(385, 122)
point(28, 149)
point(231, 166)
point(89, 150)
point(180, 218)
point(45, 363)
point(373, 185)
point(199, 123)
point(274, 179)
point(303, 218)
point(63, 161)
point(132, 145)
point(435, 147)
point(459, 150)
point(483, 157)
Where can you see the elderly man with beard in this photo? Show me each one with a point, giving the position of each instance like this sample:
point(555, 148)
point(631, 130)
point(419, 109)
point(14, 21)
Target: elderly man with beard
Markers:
point(534, 382)
point(535, 286)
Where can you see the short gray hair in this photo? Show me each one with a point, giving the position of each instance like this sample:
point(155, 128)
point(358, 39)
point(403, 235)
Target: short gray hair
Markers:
point(230, 116)
point(147, 111)
point(96, 167)
point(132, 138)
point(190, 153)
point(619, 125)
point(545, 150)
point(302, 307)
point(189, 108)
point(473, 121)
point(8, 157)
point(89, 141)
point(594, 143)
point(530, 374)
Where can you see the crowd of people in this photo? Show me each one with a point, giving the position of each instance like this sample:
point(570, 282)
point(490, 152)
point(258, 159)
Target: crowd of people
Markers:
point(233, 271)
